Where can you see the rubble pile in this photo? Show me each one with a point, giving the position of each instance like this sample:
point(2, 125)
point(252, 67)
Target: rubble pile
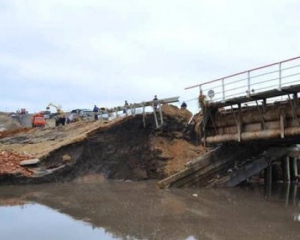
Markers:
point(10, 163)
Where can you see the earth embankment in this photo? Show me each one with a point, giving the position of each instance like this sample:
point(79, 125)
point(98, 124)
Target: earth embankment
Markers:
point(119, 149)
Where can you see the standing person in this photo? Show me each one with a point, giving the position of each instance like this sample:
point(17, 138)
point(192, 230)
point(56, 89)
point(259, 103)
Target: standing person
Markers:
point(126, 105)
point(96, 110)
point(183, 105)
point(70, 118)
point(155, 102)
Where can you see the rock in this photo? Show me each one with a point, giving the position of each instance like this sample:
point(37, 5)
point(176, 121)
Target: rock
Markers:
point(178, 135)
point(66, 158)
point(30, 162)
point(140, 174)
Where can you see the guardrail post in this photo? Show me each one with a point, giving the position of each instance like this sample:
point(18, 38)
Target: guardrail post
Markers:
point(200, 93)
point(279, 86)
point(249, 83)
point(223, 89)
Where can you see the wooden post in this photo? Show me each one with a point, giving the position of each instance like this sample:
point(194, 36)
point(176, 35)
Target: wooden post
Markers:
point(144, 116)
point(155, 117)
point(161, 116)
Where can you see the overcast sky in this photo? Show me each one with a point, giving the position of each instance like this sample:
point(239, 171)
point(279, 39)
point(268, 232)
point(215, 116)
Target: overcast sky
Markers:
point(77, 53)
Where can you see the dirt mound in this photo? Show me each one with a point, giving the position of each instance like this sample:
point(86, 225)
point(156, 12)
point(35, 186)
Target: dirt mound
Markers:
point(8, 123)
point(124, 148)
point(174, 153)
point(174, 111)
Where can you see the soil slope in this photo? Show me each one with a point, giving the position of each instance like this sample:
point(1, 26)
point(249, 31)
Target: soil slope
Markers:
point(118, 149)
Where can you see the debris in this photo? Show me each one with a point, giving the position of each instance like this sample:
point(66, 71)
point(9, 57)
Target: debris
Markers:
point(66, 158)
point(10, 163)
point(30, 162)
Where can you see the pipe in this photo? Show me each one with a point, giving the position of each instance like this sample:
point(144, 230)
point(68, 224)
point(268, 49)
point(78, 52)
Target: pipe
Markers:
point(248, 136)
point(250, 116)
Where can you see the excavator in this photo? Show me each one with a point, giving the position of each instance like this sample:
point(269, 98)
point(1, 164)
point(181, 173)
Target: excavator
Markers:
point(60, 116)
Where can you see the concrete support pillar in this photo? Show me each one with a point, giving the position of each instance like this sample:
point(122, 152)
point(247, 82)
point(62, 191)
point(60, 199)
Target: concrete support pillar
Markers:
point(287, 187)
point(268, 179)
point(295, 200)
point(294, 169)
point(286, 169)
point(282, 126)
point(269, 174)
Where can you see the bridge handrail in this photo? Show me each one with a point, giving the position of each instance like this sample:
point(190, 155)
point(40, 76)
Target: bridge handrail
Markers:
point(144, 104)
point(247, 83)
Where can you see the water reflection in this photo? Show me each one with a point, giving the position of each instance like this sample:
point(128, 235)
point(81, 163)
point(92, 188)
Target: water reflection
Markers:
point(127, 210)
point(287, 193)
point(35, 221)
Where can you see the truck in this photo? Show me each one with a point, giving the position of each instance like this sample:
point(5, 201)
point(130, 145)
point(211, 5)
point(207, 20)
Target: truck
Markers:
point(38, 120)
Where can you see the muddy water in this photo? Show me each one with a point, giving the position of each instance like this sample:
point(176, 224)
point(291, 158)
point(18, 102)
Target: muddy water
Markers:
point(94, 209)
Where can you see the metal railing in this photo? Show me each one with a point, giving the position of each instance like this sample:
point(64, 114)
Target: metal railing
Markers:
point(272, 76)
point(133, 108)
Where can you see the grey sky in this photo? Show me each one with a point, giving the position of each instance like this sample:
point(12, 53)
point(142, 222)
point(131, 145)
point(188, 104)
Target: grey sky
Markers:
point(77, 53)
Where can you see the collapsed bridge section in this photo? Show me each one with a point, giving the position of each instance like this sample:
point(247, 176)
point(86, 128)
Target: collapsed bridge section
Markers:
point(258, 107)
point(239, 120)
point(257, 104)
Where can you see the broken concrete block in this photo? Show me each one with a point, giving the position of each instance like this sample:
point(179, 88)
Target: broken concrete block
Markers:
point(29, 162)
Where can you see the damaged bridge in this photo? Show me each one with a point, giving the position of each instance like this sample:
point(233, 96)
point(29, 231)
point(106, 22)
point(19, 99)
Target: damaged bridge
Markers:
point(255, 116)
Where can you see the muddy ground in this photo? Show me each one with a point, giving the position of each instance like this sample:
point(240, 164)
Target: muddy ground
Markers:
point(118, 149)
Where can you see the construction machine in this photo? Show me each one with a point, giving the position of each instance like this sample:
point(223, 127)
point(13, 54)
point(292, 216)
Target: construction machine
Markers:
point(38, 120)
point(59, 116)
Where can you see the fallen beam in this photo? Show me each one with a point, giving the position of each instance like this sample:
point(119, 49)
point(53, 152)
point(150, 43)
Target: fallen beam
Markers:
point(196, 171)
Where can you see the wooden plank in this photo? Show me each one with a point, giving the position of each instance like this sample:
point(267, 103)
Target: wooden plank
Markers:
point(196, 164)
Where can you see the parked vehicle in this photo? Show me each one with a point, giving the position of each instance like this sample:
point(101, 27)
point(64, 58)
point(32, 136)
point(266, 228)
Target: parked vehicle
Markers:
point(38, 120)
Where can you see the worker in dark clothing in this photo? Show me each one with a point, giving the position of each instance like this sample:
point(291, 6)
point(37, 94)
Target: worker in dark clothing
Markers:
point(183, 105)
point(126, 106)
point(155, 102)
point(96, 110)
